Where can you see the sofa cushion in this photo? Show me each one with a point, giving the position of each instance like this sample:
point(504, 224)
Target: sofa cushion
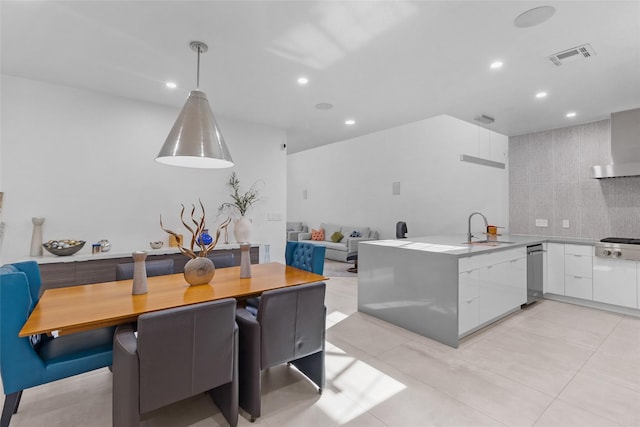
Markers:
point(329, 229)
point(317, 235)
point(347, 230)
point(294, 226)
point(335, 246)
point(336, 237)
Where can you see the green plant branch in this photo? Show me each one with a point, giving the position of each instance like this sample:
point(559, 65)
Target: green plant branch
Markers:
point(241, 201)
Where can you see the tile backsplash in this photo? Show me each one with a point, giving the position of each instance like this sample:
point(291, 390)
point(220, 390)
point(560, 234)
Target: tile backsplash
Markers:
point(549, 179)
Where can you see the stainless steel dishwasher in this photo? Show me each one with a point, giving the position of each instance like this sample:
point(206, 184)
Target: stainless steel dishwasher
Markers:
point(535, 270)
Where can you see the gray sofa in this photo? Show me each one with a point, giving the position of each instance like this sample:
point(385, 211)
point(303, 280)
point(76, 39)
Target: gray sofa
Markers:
point(294, 229)
point(338, 250)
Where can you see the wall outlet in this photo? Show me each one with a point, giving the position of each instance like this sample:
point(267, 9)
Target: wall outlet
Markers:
point(565, 223)
point(542, 222)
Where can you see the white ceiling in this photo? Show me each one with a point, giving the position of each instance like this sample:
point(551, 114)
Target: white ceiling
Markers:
point(382, 63)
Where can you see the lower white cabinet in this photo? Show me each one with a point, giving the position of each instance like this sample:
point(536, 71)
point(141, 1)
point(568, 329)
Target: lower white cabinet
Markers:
point(503, 287)
point(578, 287)
point(578, 271)
point(468, 307)
point(615, 281)
point(490, 285)
point(555, 269)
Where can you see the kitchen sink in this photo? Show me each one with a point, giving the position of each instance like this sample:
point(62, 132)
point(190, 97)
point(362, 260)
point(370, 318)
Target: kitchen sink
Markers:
point(488, 242)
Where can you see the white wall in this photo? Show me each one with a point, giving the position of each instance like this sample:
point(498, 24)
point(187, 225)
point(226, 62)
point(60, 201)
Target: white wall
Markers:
point(85, 162)
point(350, 182)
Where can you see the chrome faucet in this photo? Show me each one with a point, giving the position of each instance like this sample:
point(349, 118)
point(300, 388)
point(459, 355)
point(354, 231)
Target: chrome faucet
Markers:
point(486, 224)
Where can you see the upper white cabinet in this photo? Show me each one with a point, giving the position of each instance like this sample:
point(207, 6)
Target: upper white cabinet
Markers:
point(555, 269)
point(615, 281)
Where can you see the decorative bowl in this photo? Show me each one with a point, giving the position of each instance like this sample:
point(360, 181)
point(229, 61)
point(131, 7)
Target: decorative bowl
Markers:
point(156, 245)
point(64, 247)
point(105, 245)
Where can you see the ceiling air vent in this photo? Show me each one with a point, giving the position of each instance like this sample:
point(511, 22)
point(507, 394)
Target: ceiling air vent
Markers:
point(571, 55)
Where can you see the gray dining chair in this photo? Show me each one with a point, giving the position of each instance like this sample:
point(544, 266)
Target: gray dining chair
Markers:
point(223, 260)
point(289, 328)
point(154, 268)
point(177, 353)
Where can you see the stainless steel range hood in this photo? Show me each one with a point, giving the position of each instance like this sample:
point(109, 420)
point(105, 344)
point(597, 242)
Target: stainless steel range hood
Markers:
point(625, 147)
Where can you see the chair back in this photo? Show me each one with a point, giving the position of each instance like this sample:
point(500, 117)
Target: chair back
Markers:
point(185, 351)
point(154, 268)
point(20, 365)
point(305, 256)
point(292, 323)
point(222, 260)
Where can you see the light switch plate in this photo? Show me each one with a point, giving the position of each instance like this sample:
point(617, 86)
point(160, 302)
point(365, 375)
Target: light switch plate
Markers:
point(274, 217)
point(542, 222)
point(565, 223)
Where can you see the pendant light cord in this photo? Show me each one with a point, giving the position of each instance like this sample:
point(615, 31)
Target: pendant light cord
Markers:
point(198, 72)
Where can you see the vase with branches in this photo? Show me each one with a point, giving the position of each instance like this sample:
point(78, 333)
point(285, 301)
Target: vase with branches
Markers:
point(199, 269)
point(241, 201)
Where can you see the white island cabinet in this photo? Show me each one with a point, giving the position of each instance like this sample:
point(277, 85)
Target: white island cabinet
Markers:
point(439, 287)
point(490, 285)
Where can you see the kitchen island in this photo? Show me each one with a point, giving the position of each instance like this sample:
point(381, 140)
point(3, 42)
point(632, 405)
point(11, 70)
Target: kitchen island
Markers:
point(440, 286)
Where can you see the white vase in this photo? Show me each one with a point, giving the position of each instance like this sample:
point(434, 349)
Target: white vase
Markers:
point(139, 285)
point(245, 260)
point(242, 230)
point(36, 237)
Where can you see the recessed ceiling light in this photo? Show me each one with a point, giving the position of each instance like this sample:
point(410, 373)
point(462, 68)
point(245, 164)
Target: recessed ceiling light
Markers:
point(535, 16)
point(324, 106)
point(171, 85)
point(571, 114)
point(541, 95)
point(350, 122)
point(303, 80)
point(496, 64)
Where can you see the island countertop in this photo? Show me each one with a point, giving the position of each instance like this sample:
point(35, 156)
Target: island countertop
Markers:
point(456, 245)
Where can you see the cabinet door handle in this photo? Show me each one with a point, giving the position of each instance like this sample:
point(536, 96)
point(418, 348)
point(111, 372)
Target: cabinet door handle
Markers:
point(469, 301)
point(578, 277)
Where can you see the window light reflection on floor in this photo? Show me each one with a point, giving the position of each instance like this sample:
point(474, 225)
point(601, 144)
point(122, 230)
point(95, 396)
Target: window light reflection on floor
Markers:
point(360, 382)
point(335, 317)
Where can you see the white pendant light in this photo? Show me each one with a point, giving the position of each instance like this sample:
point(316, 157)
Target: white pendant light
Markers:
point(195, 140)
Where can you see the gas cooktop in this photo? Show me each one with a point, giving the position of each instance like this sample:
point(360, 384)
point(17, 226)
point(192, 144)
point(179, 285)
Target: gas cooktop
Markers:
point(623, 240)
point(627, 248)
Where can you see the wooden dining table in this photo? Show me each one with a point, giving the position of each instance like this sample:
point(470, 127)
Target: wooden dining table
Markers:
point(80, 308)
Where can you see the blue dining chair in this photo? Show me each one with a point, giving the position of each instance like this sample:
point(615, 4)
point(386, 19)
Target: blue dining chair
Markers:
point(305, 256)
point(30, 361)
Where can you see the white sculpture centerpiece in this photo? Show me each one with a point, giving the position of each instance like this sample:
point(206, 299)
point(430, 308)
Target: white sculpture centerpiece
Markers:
point(199, 270)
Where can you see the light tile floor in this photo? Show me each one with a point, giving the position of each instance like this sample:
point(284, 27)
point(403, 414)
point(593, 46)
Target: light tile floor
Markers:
point(553, 364)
